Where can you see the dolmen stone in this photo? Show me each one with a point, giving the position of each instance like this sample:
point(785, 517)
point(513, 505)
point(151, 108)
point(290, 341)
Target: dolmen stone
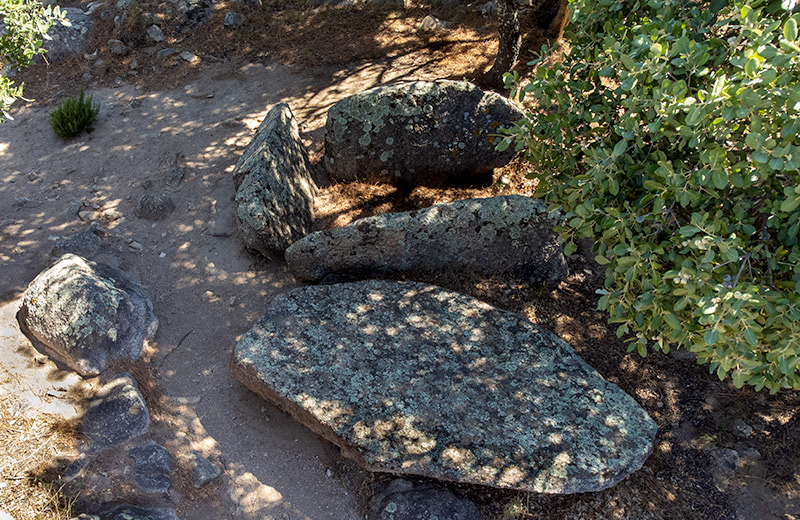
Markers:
point(439, 133)
point(509, 234)
point(413, 379)
point(115, 415)
point(87, 315)
point(274, 188)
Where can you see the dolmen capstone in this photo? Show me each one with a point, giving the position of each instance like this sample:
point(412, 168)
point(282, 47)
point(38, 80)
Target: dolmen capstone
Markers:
point(431, 133)
point(413, 379)
point(274, 187)
point(510, 234)
point(87, 315)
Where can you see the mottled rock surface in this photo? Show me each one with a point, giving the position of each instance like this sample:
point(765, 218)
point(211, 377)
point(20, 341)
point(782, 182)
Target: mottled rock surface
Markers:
point(127, 512)
point(115, 415)
point(87, 315)
point(422, 133)
point(413, 379)
point(404, 500)
point(274, 188)
point(86, 243)
point(155, 206)
point(500, 235)
point(153, 465)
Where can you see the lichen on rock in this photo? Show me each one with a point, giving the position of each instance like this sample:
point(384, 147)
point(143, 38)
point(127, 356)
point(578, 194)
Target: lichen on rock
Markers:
point(274, 188)
point(409, 378)
point(87, 314)
point(505, 235)
point(434, 133)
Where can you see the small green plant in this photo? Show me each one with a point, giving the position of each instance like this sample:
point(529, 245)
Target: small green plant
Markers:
point(74, 116)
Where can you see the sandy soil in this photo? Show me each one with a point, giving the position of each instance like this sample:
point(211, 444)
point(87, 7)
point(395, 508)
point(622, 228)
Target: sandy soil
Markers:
point(206, 289)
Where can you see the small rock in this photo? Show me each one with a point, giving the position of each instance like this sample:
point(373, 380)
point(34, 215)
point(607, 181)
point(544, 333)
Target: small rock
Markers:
point(681, 354)
point(725, 462)
point(156, 33)
point(153, 465)
point(203, 470)
point(164, 53)
point(128, 512)
point(175, 176)
point(742, 429)
point(136, 246)
point(21, 201)
point(489, 8)
point(117, 47)
point(431, 23)
point(85, 243)
point(90, 216)
point(190, 57)
point(403, 500)
point(116, 414)
point(155, 207)
point(134, 65)
point(750, 453)
point(233, 20)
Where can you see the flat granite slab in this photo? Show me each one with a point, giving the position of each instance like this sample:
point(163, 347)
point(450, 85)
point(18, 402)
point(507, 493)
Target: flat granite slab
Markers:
point(413, 379)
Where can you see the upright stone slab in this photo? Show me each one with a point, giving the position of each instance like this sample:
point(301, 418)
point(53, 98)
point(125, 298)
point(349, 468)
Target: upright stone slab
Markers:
point(409, 378)
point(87, 315)
point(421, 133)
point(500, 235)
point(274, 188)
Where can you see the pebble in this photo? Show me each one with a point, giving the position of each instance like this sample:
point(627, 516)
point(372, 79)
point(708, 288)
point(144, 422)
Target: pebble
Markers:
point(156, 33)
point(136, 246)
point(233, 20)
point(190, 57)
point(89, 216)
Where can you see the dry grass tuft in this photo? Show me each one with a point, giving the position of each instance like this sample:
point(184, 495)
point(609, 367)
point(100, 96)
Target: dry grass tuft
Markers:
point(28, 445)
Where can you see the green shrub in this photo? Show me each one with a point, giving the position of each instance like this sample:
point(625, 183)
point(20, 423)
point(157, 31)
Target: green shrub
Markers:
point(73, 116)
point(668, 132)
point(25, 23)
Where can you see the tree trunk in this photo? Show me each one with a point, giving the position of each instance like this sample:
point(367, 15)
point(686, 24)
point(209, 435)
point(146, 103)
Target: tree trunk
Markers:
point(510, 42)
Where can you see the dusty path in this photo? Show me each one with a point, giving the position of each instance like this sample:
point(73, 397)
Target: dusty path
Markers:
point(205, 289)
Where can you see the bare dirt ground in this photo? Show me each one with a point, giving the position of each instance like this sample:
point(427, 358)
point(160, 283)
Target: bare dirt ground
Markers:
point(207, 290)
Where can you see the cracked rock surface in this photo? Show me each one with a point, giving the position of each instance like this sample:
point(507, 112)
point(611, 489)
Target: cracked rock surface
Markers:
point(413, 379)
